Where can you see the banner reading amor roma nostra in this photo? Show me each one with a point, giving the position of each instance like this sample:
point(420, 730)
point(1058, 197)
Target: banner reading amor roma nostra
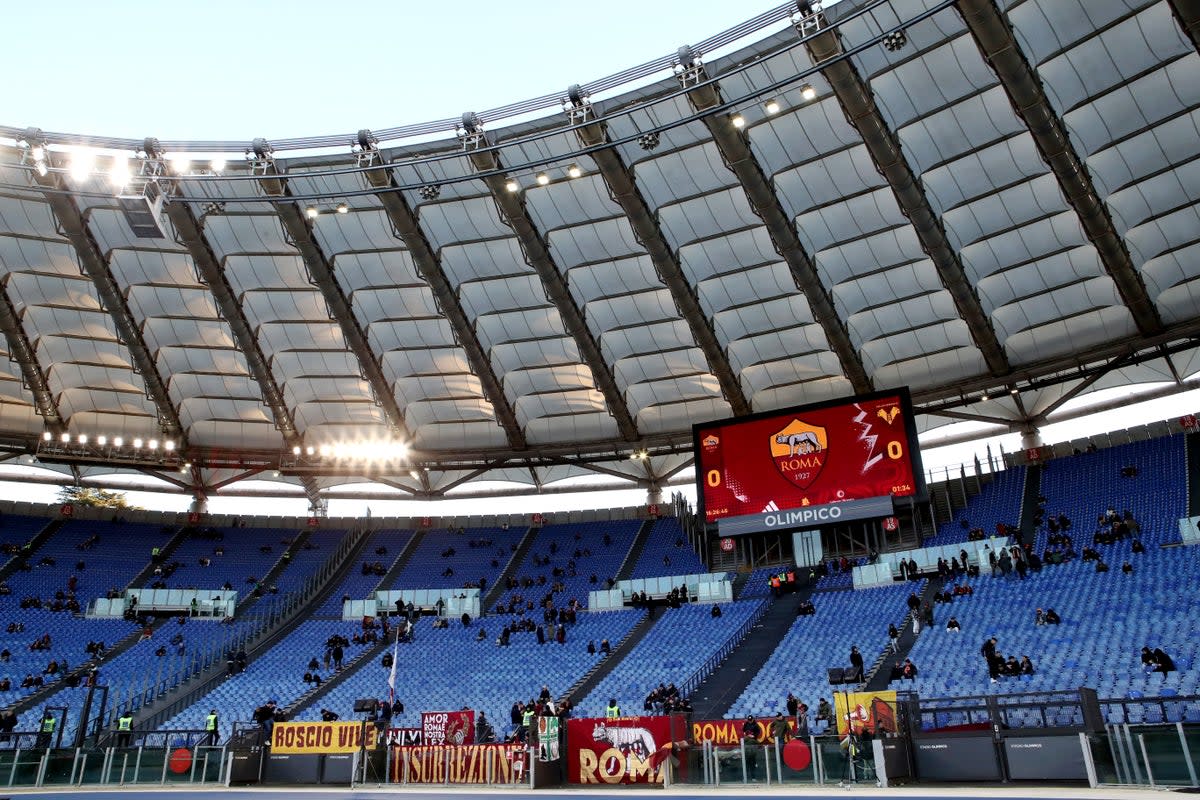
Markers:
point(624, 750)
point(320, 737)
point(865, 712)
point(447, 727)
point(472, 763)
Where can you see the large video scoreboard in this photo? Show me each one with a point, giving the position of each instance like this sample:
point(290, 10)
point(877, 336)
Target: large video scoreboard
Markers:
point(811, 465)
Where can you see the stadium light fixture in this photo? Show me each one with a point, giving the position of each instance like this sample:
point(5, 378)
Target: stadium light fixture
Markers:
point(738, 121)
point(312, 212)
point(119, 176)
point(310, 450)
point(512, 185)
point(217, 165)
point(808, 92)
point(152, 444)
point(648, 141)
point(894, 41)
point(118, 441)
point(574, 171)
point(47, 436)
point(82, 163)
point(180, 163)
point(137, 443)
point(543, 179)
point(82, 438)
point(169, 445)
point(102, 440)
point(772, 106)
point(416, 476)
point(430, 191)
point(296, 450)
point(65, 438)
point(342, 208)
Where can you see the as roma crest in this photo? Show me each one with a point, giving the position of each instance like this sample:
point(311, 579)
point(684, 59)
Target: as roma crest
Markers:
point(799, 452)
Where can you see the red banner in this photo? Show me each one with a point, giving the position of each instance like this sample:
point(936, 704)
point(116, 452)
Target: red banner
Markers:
point(447, 727)
point(476, 763)
point(624, 750)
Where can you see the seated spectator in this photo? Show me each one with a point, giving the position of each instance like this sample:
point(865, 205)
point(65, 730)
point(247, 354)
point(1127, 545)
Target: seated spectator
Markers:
point(1026, 666)
point(1052, 617)
point(1162, 662)
point(1101, 566)
point(952, 625)
point(1127, 568)
point(1137, 546)
point(909, 670)
point(307, 677)
point(604, 646)
point(716, 611)
point(824, 711)
point(1012, 666)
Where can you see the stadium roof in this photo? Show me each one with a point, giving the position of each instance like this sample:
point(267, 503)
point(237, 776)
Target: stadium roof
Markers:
point(994, 204)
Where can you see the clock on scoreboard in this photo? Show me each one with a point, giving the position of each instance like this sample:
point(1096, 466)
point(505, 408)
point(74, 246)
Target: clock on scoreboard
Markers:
point(820, 460)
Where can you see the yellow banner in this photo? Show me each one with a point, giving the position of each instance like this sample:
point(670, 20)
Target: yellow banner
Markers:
point(320, 737)
point(865, 712)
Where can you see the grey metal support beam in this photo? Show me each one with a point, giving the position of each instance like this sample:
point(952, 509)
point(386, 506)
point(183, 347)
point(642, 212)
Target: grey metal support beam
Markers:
point(20, 350)
point(624, 190)
point(994, 36)
point(95, 265)
point(739, 158)
point(858, 104)
point(191, 234)
point(404, 220)
point(1187, 14)
point(512, 207)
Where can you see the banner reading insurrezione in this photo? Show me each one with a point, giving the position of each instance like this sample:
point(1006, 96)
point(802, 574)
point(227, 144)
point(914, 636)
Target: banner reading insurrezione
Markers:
point(474, 763)
point(320, 737)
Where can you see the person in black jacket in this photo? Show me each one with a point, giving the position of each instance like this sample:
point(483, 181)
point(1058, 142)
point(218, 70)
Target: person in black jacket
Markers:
point(856, 661)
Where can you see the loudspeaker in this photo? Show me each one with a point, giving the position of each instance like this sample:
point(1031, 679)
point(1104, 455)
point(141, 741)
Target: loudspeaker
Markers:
point(836, 675)
point(365, 705)
point(851, 674)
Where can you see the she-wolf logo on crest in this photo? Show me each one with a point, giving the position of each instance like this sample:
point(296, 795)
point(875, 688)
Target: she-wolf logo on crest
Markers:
point(800, 451)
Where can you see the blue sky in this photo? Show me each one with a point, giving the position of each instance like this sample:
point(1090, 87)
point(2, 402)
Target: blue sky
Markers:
point(239, 70)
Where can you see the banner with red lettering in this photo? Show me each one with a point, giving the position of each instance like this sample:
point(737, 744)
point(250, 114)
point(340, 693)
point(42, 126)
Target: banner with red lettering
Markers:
point(623, 750)
point(320, 737)
point(474, 763)
point(447, 727)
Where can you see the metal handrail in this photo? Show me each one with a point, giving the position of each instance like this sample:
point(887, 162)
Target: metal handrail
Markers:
point(713, 661)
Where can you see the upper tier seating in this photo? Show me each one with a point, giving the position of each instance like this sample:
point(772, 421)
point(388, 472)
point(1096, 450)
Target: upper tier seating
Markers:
point(359, 586)
point(998, 501)
point(471, 560)
point(560, 544)
point(666, 541)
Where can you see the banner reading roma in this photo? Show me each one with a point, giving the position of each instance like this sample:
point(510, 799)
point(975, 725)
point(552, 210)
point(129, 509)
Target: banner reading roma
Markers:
point(729, 731)
point(865, 712)
point(623, 750)
point(447, 727)
point(475, 763)
point(320, 737)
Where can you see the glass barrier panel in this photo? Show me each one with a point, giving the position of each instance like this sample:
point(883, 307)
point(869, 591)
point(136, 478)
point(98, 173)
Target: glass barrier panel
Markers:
point(208, 764)
point(148, 768)
point(796, 763)
point(24, 770)
point(1165, 752)
point(91, 767)
point(729, 765)
point(691, 767)
point(757, 768)
point(59, 768)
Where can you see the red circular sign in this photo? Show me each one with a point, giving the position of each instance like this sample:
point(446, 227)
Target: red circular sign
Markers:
point(797, 755)
point(891, 524)
point(727, 545)
point(181, 760)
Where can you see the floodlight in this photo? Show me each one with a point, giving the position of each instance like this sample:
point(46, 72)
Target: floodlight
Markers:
point(296, 450)
point(512, 185)
point(311, 212)
point(65, 438)
point(217, 165)
point(648, 141)
point(118, 441)
point(772, 106)
point(738, 121)
point(415, 475)
point(47, 436)
point(82, 162)
point(325, 451)
point(152, 444)
point(169, 445)
point(808, 92)
point(137, 443)
point(180, 163)
point(119, 176)
point(37, 152)
point(894, 41)
point(543, 179)
point(342, 208)
point(309, 450)
point(82, 438)
point(430, 191)
point(574, 171)
point(102, 440)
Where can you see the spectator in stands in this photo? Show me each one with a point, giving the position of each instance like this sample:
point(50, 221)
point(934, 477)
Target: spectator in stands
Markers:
point(1162, 662)
point(751, 730)
point(953, 626)
point(264, 715)
point(328, 716)
point(715, 613)
point(5, 684)
point(856, 661)
point(1101, 566)
point(1039, 618)
point(1127, 568)
point(604, 646)
point(914, 602)
point(893, 637)
point(482, 635)
point(1137, 546)
point(824, 711)
point(1052, 617)
point(909, 670)
point(781, 732)
point(1026, 666)
point(1012, 667)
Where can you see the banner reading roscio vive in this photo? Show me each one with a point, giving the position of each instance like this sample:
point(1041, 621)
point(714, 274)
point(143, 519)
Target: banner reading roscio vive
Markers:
point(320, 737)
point(622, 750)
point(447, 727)
point(473, 763)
